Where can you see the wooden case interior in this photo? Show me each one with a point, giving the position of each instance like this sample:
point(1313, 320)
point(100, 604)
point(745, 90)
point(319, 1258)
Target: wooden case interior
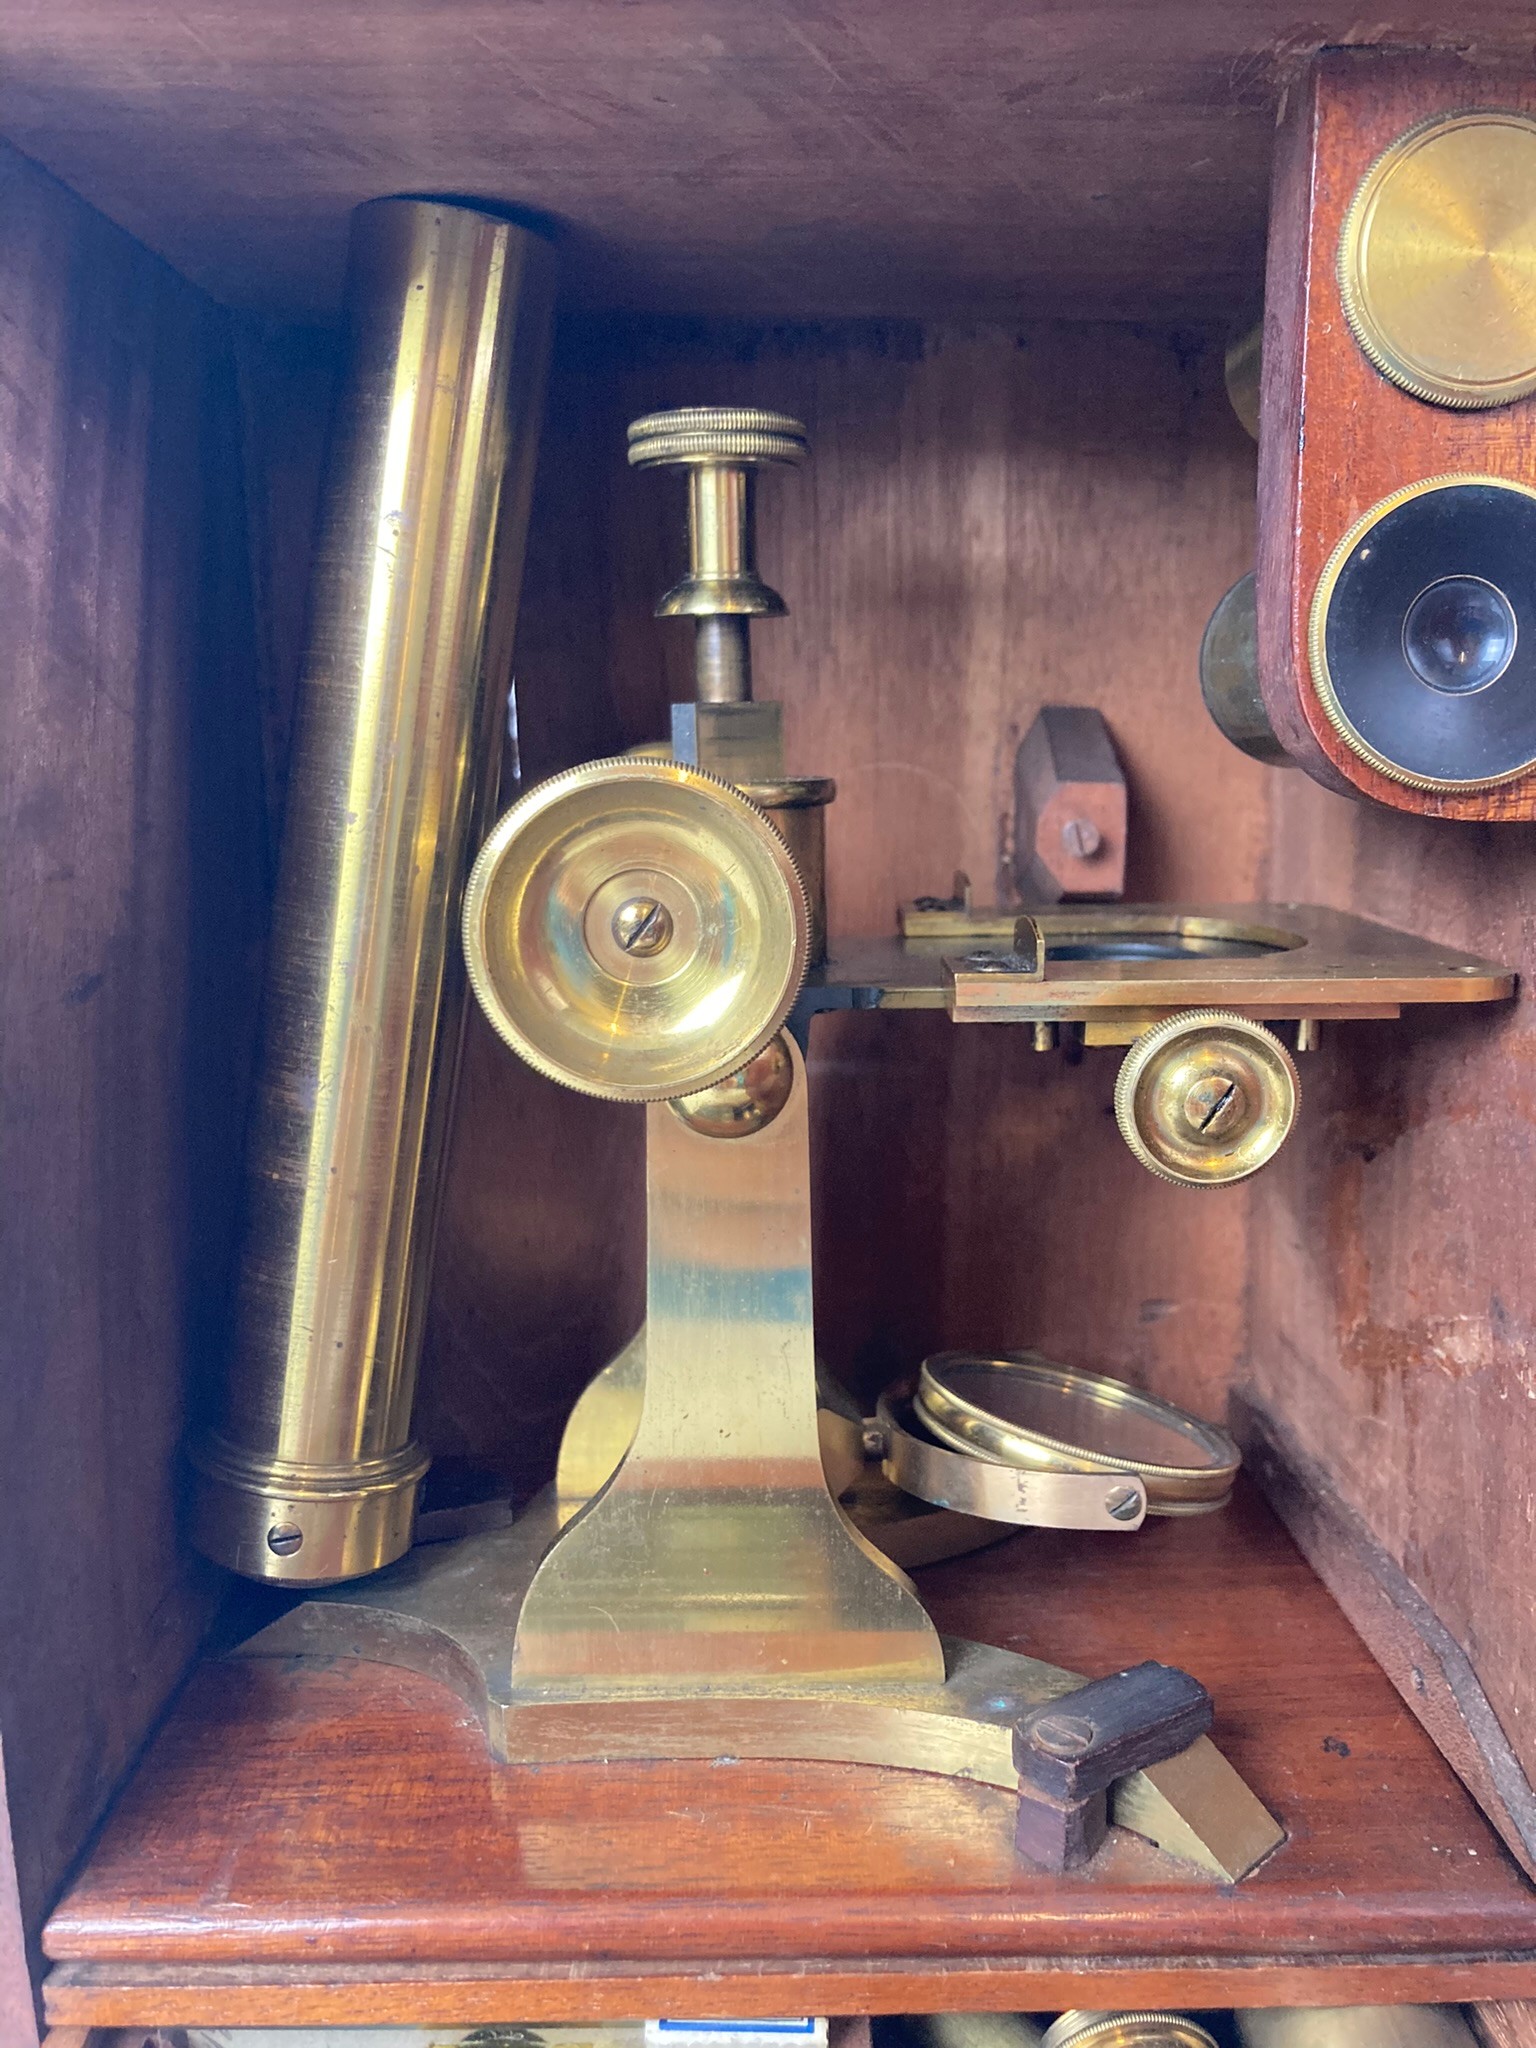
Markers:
point(1026, 487)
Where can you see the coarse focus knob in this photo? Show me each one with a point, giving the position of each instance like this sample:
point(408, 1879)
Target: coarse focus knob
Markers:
point(635, 929)
point(1206, 1098)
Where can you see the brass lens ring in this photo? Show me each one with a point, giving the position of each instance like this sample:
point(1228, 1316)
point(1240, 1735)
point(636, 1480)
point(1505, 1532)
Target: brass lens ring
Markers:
point(1023, 1410)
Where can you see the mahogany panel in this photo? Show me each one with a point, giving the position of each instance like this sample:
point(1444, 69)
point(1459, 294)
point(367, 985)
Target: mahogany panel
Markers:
point(132, 859)
point(1337, 436)
point(1394, 1299)
point(331, 1818)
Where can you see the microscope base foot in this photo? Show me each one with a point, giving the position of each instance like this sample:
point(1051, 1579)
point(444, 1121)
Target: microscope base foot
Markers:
point(450, 1613)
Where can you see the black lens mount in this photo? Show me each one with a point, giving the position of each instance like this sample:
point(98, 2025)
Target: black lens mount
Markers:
point(1424, 634)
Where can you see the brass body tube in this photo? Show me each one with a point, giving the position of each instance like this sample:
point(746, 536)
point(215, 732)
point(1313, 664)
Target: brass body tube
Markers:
point(309, 1473)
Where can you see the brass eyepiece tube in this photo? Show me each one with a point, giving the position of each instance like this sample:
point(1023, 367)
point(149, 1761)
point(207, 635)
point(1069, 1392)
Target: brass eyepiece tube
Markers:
point(309, 1472)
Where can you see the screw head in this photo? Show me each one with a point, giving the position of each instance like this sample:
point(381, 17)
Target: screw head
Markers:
point(284, 1539)
point(1123, 1503)
point(1063, 1735)
point(642, 926)
point(1216, 1106)
point(1081, 838)
point(987, 963)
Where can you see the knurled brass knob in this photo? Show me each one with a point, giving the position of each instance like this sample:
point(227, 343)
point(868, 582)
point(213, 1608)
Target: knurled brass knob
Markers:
point(1206, 1098)
point(721, 448)
point(704, 434)
point(635, 929)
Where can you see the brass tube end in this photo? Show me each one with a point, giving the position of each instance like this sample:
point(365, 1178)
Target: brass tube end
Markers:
point(302, 1525)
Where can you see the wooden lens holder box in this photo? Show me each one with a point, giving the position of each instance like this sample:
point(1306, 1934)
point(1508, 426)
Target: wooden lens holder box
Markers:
point(1337, 437)
point(991, 256)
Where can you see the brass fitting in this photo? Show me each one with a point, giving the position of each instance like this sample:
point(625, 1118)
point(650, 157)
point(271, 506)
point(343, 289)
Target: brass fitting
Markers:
point(721, 448)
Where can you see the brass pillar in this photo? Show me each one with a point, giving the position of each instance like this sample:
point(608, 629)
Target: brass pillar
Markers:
point(310, 1473)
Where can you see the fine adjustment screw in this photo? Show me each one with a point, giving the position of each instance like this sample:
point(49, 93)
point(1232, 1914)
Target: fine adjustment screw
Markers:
point(1216, 1105)
point(1064, 1735)
point(1081, 838)
point(642, 926)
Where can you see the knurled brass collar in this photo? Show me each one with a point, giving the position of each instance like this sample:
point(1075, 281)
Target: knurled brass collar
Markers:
point(1126, 2030)
point(716, 433)
point(1437, 259)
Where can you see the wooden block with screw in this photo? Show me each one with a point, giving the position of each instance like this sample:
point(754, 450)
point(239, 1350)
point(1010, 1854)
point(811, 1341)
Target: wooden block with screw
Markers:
point(1069, 809)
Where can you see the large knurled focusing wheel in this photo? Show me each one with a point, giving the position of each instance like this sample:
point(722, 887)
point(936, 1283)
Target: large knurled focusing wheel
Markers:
point(635, 929)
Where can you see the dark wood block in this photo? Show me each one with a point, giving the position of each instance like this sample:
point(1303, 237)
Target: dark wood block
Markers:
point(334, 1842)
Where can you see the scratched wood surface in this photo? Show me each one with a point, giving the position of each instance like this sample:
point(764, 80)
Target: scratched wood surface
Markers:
point(783, 159)
point(991, 520)
point(131, 874)
point(309, 1818)
point(1394, 1311)
point(1338, 438)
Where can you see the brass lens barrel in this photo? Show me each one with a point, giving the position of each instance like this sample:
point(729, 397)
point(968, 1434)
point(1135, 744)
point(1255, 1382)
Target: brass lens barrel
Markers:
point(310, 1472)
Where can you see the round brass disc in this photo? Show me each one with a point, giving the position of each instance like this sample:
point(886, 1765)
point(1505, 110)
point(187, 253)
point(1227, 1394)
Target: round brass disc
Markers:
point(635, 929)
point(1024, 1410)
point(1437, 260)
point(1206, 1098)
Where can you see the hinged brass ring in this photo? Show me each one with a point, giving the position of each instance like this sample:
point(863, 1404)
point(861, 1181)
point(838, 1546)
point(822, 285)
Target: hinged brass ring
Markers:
point(1023, 1410)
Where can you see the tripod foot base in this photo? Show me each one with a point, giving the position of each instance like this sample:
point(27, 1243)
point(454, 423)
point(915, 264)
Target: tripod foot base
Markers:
point(450, 1613)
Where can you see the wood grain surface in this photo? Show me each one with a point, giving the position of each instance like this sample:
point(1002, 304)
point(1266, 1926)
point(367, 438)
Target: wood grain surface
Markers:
point(795, 158)
point(1337, 436)
point(326, 1817)
point(1393, 1322)
point(1509, 2023)
point(132, 857)
point(991, 520)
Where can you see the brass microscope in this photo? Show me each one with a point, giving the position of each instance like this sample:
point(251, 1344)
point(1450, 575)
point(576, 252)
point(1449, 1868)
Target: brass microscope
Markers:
point(718, 1568)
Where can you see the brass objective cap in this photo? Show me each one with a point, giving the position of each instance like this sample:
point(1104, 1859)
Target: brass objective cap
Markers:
point(1229, 676)
point(1126, 2030)
point(1437, 259)
point(1024, 1410)
point(1206, 1098)
point(635, 929)
point(1243, 366)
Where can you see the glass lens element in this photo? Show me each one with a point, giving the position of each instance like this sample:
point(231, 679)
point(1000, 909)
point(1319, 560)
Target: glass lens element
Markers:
point(1459, 634)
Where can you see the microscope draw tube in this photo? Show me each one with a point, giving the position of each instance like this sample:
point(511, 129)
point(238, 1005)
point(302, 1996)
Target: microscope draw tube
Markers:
point(309, 1473)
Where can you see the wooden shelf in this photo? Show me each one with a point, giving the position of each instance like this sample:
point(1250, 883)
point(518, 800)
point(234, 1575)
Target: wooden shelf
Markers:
point(319, 1843)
